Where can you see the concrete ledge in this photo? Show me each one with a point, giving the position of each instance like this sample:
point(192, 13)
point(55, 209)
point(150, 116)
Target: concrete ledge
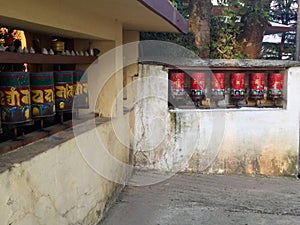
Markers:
point(214, 63)
point(51, 182)
point(33, 149)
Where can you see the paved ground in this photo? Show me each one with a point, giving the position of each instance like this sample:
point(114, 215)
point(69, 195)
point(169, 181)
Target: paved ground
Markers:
point(193, 199)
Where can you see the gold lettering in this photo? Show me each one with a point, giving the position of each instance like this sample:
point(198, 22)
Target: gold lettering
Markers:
point(78, 88)
point(2, 98)
point(61, 91)
point(49, 95)
point(70, 92)
point(13, 97)
point(85, 88)
point(178, 83)
point(37, 96)
point(26, 98)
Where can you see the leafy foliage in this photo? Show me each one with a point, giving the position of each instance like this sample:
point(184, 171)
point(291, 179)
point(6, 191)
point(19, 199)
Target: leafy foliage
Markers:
point(224, 33)
point(228, 25)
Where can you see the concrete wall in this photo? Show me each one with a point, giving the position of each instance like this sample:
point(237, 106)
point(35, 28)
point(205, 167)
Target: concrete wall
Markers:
point(245, 140)
point(53, 181)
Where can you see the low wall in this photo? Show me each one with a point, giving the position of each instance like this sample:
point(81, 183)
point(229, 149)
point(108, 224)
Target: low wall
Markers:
point(53, 181)
point(239, 140)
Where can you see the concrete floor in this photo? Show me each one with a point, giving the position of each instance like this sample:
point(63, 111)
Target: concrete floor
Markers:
point(193, 199)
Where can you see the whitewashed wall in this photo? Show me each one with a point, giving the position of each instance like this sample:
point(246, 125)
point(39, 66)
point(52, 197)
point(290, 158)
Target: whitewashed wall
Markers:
point(54, 181)
point(245, 140)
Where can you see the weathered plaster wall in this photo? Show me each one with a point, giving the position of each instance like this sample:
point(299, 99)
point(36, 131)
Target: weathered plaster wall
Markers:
point(105, 75)
point(252, 141)
point(52, 181)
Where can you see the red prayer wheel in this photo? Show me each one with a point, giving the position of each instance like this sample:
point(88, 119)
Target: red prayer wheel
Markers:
point(197, 85)
point(237, 81)
point(275, 85)
point(257, 85)
point(177, 84)
point(218, 86)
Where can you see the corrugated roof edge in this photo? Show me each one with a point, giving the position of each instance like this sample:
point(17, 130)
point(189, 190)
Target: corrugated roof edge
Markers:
point(164, 9)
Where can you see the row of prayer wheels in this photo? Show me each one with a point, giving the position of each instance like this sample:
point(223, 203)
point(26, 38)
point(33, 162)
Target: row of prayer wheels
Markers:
point(237, 85)
point(25, 96)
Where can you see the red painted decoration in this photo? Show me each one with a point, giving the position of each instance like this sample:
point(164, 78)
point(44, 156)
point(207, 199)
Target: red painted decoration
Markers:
point(218, 86)
point(218, 81)
point(237, 85)
point(275, 85)
point(197, 86)
point(177, 83)
point(257, 85)
point(198, 81)
point(257, 81)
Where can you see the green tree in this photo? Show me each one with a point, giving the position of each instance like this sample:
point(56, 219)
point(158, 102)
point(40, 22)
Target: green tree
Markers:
point(200, 12)
point(239, 34)
point(224, 34)
point(285, 12)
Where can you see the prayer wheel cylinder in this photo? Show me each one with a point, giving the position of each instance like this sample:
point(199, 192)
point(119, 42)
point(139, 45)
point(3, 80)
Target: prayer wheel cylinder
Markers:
point(15, 97)
point(42, 94)
point(218, 86)
point(197, 86)
point(64, 93)
point(81, 99)
point(177, 84)
point(275, 85)
point(237, 81)
point(257, 85)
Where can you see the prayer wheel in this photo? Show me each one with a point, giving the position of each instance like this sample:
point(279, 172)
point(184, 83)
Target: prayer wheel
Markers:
point(42, 94)
point(218, 86)
point(237, 81)
point(197, 86)
point(63, 88)
point(275, 85)
point(177, 84)
point(15, 97)
point(81, 99)
point(257, 85)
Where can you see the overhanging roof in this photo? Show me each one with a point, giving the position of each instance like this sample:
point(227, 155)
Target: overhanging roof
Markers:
point(168, 12)
point(275, 28)
point(137, 15)
point(140, 15)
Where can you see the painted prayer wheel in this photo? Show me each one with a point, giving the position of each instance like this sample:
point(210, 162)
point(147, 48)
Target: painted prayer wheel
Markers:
point(275, 85)
point(257, 85)
point(177, 84)
point(63, 88)
point(237, 81)
point(197, 86)
point(81, 99)
point(42, 94)
point(15, 97)
point(218, 86)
